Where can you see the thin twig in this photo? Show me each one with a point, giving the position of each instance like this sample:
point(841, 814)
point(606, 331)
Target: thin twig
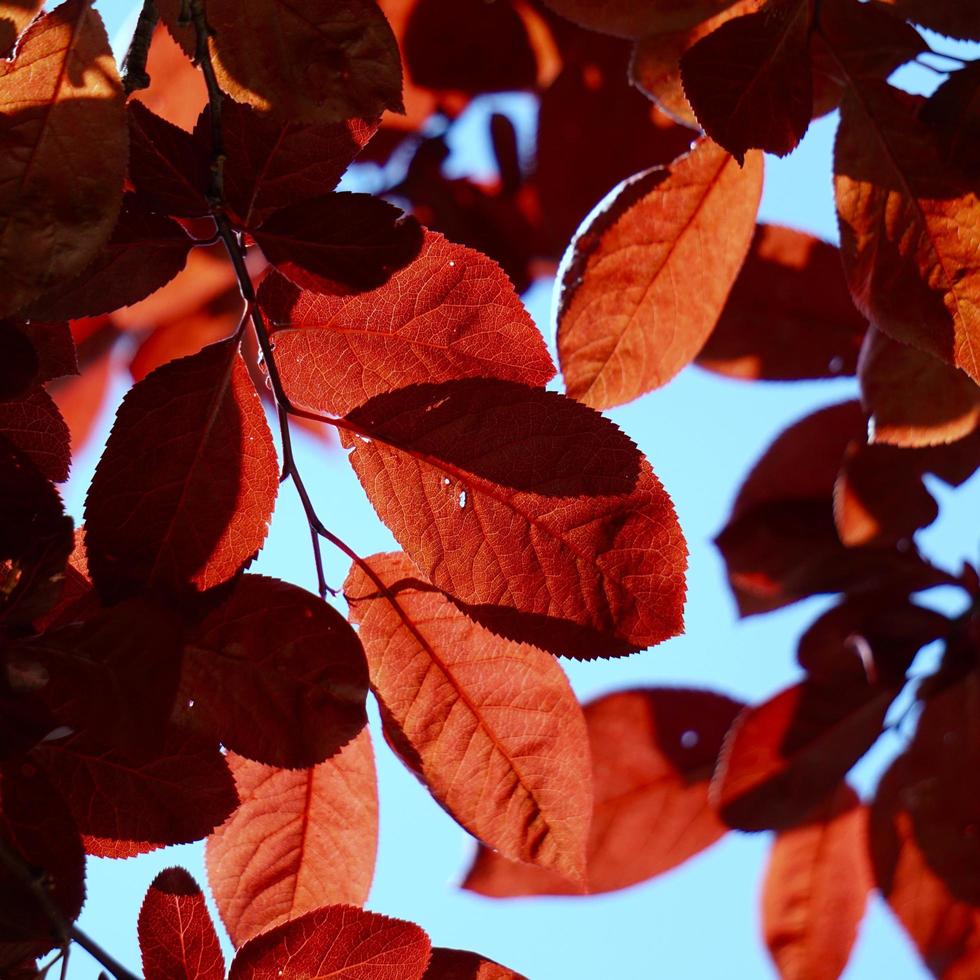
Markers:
point(134, 76)
point(61, 930)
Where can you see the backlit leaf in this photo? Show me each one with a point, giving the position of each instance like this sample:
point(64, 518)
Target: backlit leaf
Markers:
point(193, 506)
point(164, 164)
point(339, 942)
point(946, 16)
point(653, 752)
point(275, 674)
point(944, 927)
point(339, 242)
point(177, 91)
point(913, 398)
point(591, 104)
point(124, 808)
point(490, 726)
point(749, 81)
point(176, 934)
point(451, 313)
point(330, 61)
point(63, 116)
point(789, 314)
point(300, 839)
point(655, 68)
point(15, 15)
point(34, 425)
point(533, 511)
point(272, 163)
point(816, 886)
point(458, 964)
point(626, 18)
point(646, 279)
point(907, 227)
point(880, 497)
point(36, 826)
point(144, 252)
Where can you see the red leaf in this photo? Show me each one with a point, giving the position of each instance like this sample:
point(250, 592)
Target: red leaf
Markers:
point(646, 279)
point(275, 674)
point(815, 890)
point(857, 40)
point(913, 398)
point(953, 114)
point(884, 631)
point(590, 104)
point(177, 90)
point(944, 927)
point(112, 678)
point(300, 839)
point(165, 165)
point(946, 16)
point(34, 425)
point(749, 80)
point(450, 314)
point(880, 498)
point(655, 64)
point(789, 314)
point(339, 942)
point(328, 63)
point(213, 479)
point(906, 223)
point(145, 252)
point(177, 937)
point(35, 539)
point(533, 512)
point(54, 347)
point(491, 727)
point(19, 365)
point(455, 46)
point(14, 18)
point(458, 964)
point(340, 242)
point(61, 91)
point(36, 826)
point(781, 543)
point(125, 808)
point(272, 163)
point(785, 756)
point(626, 18)
point(653, 751)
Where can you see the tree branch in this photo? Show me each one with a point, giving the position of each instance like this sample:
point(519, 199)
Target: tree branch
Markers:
point(134, 76)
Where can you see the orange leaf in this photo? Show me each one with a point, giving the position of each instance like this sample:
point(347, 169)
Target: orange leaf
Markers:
point(329, 62)
point(491, 726)
point(913, 398)
point(177, 90)
point(815, 890)
point(15, 15)
point(785, 756)
point(653, 751)
point(300, 838)
point(535, 513)
point(908, 228)
point(647, 277)
point(193, 508)
point(62, 90)
point(749, 80)
point(451, 313)
point(339, 942)
point(789, 314)
point(176, 934)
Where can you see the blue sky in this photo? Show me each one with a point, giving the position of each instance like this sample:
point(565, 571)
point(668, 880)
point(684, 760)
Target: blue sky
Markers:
point(701, 433)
